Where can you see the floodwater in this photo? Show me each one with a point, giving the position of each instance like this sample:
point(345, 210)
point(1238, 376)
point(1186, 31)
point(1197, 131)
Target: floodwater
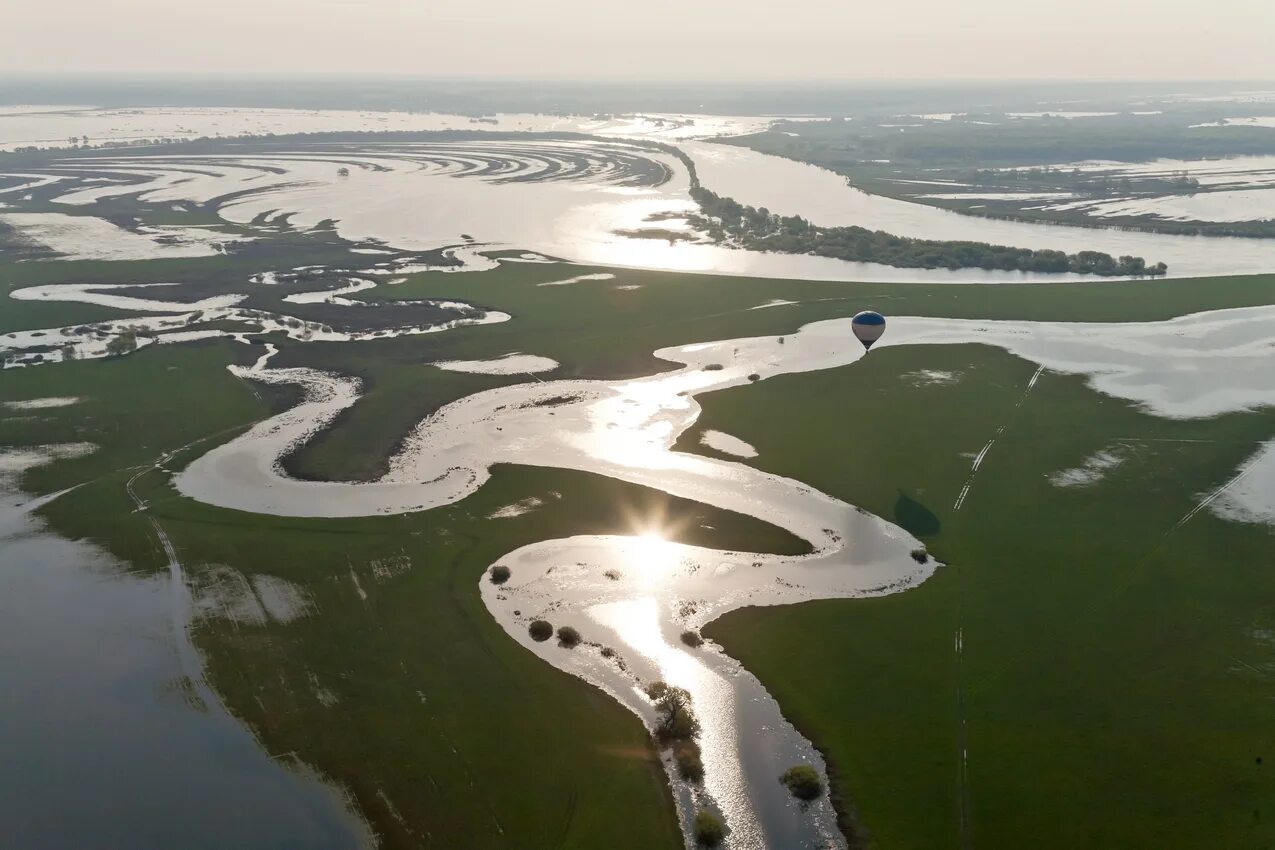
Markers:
point(111, 738)
point(90, 238)
point(585, 222)
point(788, 187)
point(180, 322)
point(55, 126)
point(636, 593)
point(421, 196)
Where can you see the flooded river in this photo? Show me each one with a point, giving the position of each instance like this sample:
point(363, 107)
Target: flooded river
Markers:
point(111, 737)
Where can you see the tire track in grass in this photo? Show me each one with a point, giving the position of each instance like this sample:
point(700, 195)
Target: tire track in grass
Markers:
point(981, 456)
point(962, 741)
point(964, 815)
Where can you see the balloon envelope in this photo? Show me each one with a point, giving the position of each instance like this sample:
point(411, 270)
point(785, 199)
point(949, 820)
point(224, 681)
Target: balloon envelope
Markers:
point(868, 327)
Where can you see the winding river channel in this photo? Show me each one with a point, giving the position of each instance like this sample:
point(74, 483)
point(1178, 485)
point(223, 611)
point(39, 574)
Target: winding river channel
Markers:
point(635, 594)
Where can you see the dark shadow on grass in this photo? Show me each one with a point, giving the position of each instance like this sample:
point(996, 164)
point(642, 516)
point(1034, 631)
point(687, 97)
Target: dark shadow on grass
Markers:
point(914, 517)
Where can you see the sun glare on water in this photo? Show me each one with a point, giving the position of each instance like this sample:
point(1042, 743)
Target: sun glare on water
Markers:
point(651, 556)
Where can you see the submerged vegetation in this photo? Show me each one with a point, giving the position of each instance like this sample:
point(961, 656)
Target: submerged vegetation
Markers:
point(690, 764)
point(709, 829)
point(725, 220)
point(568, 637)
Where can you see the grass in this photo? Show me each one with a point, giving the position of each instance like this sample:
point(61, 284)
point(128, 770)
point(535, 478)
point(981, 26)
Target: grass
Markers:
point(1113, 686)
point(132, 408)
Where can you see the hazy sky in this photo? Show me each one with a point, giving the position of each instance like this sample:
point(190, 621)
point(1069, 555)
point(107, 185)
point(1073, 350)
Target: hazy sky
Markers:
point(701, 39)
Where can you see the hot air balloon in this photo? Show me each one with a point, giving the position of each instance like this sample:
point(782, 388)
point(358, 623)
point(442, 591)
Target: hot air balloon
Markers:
point(868, 327)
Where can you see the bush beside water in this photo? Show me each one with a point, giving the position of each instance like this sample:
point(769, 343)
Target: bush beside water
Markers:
point(709, 829)
point(803, 781)
point(692, 639)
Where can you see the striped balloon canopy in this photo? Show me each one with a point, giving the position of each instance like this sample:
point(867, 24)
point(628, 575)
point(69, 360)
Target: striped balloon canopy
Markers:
point(868, 327)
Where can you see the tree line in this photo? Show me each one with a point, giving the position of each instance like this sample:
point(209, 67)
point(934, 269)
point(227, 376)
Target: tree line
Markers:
point(725, 220)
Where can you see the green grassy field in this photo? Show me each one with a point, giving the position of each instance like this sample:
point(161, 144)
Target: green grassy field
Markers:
point(1115, 681)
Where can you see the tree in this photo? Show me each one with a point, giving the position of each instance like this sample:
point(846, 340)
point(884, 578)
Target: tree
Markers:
point(122, 343)
point(709, 829)
point(675, 719)
point(803, 781)
point(568, 637)
point(692, 639)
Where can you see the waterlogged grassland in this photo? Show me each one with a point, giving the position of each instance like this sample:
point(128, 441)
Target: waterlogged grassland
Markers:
point(392, 678)
point(609, 329)
point(1112, 686)
point(132, 409)
point(396, 682)
point(1110, 673)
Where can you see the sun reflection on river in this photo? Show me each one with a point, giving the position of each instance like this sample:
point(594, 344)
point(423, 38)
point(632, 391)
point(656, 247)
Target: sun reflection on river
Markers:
point(637, 621)
point(651, 558)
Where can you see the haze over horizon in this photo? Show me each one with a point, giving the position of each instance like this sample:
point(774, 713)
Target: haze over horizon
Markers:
point(810, 40)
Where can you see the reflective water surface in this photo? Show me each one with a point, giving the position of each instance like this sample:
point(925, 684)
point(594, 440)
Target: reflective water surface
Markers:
point(111, 738)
